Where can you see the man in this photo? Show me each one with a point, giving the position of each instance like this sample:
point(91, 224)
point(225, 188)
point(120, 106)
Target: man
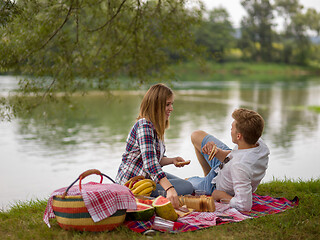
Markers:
point(233, 175)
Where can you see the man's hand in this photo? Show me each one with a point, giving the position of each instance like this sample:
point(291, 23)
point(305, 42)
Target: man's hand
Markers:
point(207, 149)
point(220, 154)
point(217, 195)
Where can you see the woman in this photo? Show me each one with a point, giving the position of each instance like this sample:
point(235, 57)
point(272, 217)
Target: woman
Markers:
point(145, 147)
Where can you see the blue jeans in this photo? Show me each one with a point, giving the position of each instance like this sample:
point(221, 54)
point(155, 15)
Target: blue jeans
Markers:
point(182, 187)
point(204, 183)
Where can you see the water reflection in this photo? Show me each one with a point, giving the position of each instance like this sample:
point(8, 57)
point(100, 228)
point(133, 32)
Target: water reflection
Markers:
point(49, 148)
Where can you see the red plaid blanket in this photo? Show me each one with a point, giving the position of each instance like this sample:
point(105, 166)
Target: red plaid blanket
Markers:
point(101, 200)
point(262, 205)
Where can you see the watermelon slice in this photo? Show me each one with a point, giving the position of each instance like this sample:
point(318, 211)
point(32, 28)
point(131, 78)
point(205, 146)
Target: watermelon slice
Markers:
point(164, 208)
point(145, 201)
point(143, 212)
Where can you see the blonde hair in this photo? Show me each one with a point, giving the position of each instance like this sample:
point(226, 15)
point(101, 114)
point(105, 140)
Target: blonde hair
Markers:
point(249, 123)
point(153, 107)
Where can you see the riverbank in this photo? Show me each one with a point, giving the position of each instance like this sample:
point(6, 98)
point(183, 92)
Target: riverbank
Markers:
point(24, 220)
point(212, 71)
point(207, 71)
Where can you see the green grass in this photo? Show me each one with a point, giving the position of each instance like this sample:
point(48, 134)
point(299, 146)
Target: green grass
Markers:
point(24, 220)
point(314, 108)
point(243, 71)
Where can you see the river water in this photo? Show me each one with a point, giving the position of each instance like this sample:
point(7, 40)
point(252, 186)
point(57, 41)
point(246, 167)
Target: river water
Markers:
point(48, 149)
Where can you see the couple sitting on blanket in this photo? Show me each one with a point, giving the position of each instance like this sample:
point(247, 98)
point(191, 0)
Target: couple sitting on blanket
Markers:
point(232, 175)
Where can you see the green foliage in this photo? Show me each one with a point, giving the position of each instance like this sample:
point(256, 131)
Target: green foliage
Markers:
point(95, 40)
point(4, 109)
point(243, 71)
point(70, 45)
point(313, 20)
point(259, 36)
point(257, 28)
point(294, 37)
point(64, 46)
point(314, 108)
point(8, 11)
point(215, 33)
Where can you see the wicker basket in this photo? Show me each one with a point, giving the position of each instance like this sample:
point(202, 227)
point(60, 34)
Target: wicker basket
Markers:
point(72, 214)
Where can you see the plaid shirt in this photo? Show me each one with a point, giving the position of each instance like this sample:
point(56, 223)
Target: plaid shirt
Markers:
point(142, 155)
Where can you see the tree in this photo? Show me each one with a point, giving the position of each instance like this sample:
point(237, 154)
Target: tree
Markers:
point(287, 9)
point(8, 9)
point(71, 39)
point(296, 43)
point(71, 45)
point(313, 20)
point(216, 33)
point(256, 28)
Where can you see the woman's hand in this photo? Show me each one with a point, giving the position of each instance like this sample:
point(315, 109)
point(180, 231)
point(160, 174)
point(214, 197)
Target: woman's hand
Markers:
point(180, 162)
point(173, 197)
point(171, 192)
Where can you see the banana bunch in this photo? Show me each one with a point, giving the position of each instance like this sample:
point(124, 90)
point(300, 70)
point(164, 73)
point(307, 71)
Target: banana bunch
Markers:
point(140, 185)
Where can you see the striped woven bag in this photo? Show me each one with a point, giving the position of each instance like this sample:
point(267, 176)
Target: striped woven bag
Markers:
point(72, 214)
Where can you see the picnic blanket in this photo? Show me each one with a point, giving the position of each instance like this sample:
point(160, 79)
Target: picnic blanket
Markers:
point(101, 200)
point(261, 205)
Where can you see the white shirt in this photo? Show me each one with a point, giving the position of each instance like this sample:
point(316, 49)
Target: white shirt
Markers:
point(241, 176)
point(162, 149)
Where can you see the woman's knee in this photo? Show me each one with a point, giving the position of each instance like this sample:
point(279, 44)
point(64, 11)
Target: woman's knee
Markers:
point(183, 187)
point(187, 188)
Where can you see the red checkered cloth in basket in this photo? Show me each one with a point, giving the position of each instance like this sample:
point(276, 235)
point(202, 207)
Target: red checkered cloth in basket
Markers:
point(101, 200)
